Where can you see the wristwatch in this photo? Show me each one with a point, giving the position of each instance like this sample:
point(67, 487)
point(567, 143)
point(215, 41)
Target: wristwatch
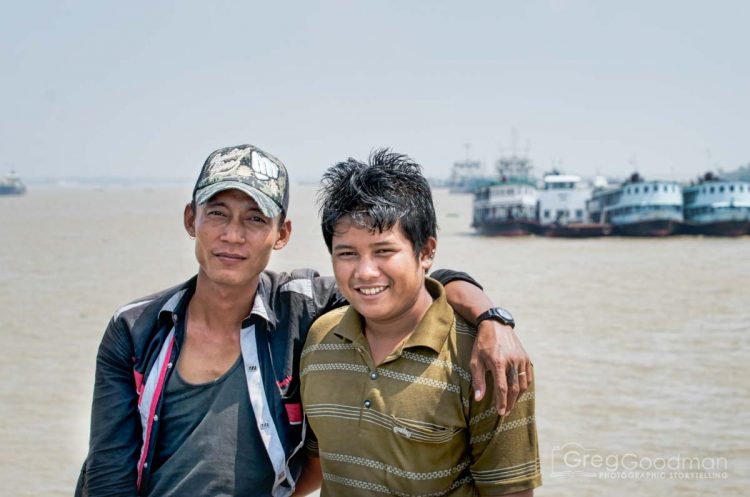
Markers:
point(498, 314)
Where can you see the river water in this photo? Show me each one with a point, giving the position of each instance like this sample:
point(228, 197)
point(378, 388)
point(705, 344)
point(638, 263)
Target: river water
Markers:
point(641, 346)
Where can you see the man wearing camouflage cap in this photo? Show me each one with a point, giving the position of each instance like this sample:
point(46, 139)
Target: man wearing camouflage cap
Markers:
point(197, 386)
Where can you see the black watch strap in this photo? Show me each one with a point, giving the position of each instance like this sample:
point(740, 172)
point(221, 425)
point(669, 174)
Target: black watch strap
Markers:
point(498, 314)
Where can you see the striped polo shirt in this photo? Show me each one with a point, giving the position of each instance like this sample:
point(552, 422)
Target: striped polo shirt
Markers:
point(410, 425)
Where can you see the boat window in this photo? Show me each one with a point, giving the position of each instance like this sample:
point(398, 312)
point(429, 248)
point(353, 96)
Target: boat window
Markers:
point(579, 213)
point(711, 189)
point(635, 190)
point(546, 214)
point(645, 189)
point(721, 189)
point(731, 188)
point(742, 189)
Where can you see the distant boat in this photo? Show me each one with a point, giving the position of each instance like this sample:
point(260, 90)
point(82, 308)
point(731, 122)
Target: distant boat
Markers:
point(561, 208)
point(508, 206)
point(639, 207)
point(12, 185)
point(717, 207)
point(467, 176)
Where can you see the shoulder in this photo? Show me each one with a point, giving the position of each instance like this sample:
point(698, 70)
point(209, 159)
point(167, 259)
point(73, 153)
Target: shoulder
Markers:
point(325, 324)
point(321, 334)
point(139, 318)
point(463, 335)
point(464, 329)
point(301, 281)
point(162, 299)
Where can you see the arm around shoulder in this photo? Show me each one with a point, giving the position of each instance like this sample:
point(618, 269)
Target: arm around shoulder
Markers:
point(497, 348)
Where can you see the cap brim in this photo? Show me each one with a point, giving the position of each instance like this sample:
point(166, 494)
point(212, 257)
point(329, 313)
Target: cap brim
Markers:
point(267, 206)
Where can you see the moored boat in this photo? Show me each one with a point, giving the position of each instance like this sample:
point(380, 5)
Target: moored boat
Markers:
point(717, 207)
point(639, 207)
point(508, 206)
point(561, 208)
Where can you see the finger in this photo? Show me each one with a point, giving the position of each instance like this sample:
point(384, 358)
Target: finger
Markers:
point(523, 379)
point(501, 390)
point(477, 380)
point(530, 373)
point(513, 388)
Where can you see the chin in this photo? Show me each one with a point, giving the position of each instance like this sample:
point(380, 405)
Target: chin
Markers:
point(371, 312)
point(227, 279)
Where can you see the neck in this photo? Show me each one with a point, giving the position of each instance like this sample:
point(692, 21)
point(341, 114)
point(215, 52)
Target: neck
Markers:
point(222, 307)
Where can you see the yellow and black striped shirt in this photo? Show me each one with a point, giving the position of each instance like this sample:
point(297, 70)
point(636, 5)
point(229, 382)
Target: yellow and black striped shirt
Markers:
point(410, 426)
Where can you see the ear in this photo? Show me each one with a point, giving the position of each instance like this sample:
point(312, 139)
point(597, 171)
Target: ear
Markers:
point(284, 233)
point(188, 220)
point(427, 254)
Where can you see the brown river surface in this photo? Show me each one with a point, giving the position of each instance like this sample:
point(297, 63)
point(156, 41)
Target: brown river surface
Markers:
point(641, 346)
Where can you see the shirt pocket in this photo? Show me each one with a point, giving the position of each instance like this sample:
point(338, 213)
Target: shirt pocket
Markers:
point(421, 431)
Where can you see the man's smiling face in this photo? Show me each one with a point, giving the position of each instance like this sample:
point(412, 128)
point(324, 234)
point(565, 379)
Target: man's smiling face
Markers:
point(378, 272)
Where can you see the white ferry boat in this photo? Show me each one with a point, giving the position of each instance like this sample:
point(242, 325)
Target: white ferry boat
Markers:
point(717, 207)
point(638, 207)
point(508, 206)
point(561, 208)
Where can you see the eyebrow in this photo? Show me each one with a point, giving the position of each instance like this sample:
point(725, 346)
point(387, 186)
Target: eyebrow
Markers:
point(219, 203)
point(383, 243)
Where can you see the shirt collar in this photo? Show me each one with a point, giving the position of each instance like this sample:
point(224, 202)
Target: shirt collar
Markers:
point(432, 330)
point(177, 303)
point(262, 305)
point(260, 309)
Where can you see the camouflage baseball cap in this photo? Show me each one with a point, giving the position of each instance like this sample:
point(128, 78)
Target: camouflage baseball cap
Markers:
point(248, 169)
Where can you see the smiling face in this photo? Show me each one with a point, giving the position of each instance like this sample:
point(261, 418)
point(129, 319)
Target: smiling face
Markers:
point(233, 238)
point(379, 274)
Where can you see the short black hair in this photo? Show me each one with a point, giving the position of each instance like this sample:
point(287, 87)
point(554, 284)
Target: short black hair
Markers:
point(390, 188)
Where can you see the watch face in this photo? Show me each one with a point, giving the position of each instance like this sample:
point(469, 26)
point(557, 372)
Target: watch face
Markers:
point(504, 314)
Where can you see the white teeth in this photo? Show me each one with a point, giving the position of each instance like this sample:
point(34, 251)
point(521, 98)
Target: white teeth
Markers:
point(372, 291)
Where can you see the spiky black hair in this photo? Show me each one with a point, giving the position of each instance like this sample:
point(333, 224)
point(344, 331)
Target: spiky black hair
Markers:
point(389, 189)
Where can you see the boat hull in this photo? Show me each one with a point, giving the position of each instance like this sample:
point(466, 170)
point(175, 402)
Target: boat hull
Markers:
point(516, 227)
point(719, 228)
point(12, 190)
point(654, 227)
point(576, 230)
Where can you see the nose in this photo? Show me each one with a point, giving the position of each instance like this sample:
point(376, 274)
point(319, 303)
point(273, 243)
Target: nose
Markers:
point(366, 269)
point(234, 232)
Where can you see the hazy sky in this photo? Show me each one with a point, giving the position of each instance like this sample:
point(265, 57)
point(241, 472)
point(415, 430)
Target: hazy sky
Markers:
point(149, 89)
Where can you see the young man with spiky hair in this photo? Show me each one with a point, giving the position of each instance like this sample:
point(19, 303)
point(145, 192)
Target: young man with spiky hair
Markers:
point(402, 419)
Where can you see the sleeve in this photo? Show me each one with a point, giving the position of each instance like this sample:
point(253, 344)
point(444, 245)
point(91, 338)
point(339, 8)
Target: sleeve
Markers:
point(445, 276)
point(115, 438)
point(326, 295)
point(311, 443)
point(504, 450)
